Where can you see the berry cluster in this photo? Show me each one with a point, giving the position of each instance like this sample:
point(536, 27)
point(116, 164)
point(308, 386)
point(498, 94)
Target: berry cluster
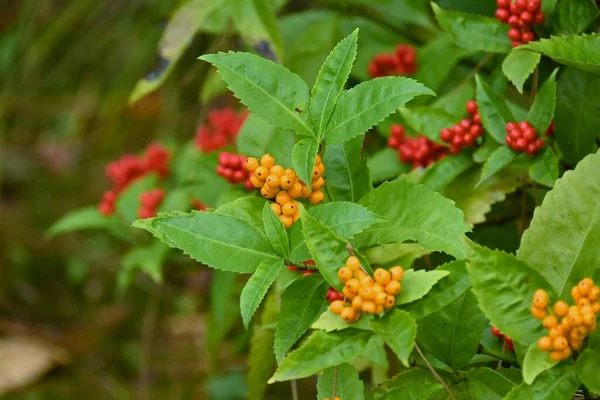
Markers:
point(149, 202)
point(576, 322)
point(403, 61)
point(284, 186)
point(507, 340)
point(466, 132)
point(366, 295)
point(521, 16)
point(232, 167)
point(333, 295)
point(220, 130)
point(129, 168)
point(523, 138)
point(420, 152)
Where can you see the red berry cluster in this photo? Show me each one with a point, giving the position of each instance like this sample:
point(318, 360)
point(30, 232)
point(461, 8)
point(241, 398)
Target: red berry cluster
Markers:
point(149, 202)
point(507, 340)
point(333, 295)
point(232, 167)
point(420, 151)
point(131, 167)
point(521, 16)
point(307, 270)
point(198, 205)
point(523, 138)
point(465, 132)
point(401, 62)
point(220, 130)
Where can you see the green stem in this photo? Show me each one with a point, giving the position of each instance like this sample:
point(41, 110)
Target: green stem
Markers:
point(434, 372)
point(328, 191)
point(335, 378)
point(496, 354)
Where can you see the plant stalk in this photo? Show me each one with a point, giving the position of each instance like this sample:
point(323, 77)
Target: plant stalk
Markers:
point(496, 354)
point(335, 378)
point(434, 372)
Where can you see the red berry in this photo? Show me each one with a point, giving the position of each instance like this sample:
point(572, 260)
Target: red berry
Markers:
point(513, 21)
point(496, 332)
point(477, 118)
point(455, 148)
point(471, 107)
point(106, 209)
point(476, 130)
point(511, 126)
point(515, 134)
point(397, 130)
point(292, 268)
point(446, 135)
point(465, 123)
point(520, 144)
point(521, 4)
point(526, 17)
point(529, 134)
point(509, 142)
point(458, 129)
point(514, 34)
point(533, 6)
point(531, 149)
point(539, 18)
point(539, 143)
point(308, 272)
point(524, 125)
point(516, 43)
point(239, 176)
point(502, 14)
point(527, 36)
point(509, 343)
point(393, 142)
point(309, 262)
point(469, 139)
point(503, 3)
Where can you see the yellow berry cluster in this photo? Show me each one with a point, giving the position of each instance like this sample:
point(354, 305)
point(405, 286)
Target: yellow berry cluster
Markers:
point(568, 326)
point(365, 294)
point(284, 186)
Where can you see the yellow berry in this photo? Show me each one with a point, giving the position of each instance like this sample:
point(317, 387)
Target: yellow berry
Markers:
point(560, 343)
point(389, 302)
point(251, 164)
point(276, 208)
point(318, 184)
point(545, 343)
point(561, 308)
point(575, 293)
point(296, 190)
point(289, 209)
point(316, 197)
point(369, 307)
point(353, 285)
point(277, 170)
point(283, 197)
point(380, 298)
point(353, 263)
point(291, 173)
point(345, 274)
point(348, 314)
point(397, 273)
point(272, 181)
point(267, 161)
point(540, 299)
point(367, 293)
point(382, 276)
point(267, 192)
point(538, 313)
point(594, 293)
point(357, 303)
point(337, 307)
point(286, 221)
point(286, 182)
point(350, 295)
point(257, 183)
point(393, 288)
point(261, 172)
point(585, 286)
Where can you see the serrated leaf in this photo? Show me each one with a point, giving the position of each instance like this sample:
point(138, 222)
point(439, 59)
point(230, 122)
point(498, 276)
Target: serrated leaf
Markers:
point(330, 81)
point(577, 114)
point(345, 219)
point(347, 176)
point(398, 329)
point(519, 65)
point(454, 102)
point(220, 241)
point(255, 135)
point(257, 286)
point(573, 16)
point(444, 292)
point(581, 51)
point(413, 384)
point(301, 304)
point(384, 165)
point(452, 334)
point(444, 171)
point(493, 110)
point(485, 383)
point(588, 369)
point(418, 214)
point(248, 208)
point(541, 113)
point(368, 103)
point(544, 169)
point(536, 361)
point(498, 160)
point(276, 232)
point(303, 159)
point(320, 351)
point(348, 385)
point(330, 322)
point(428, 120)
point(474, 32)
point(558, 383)
point(267, 89)
point(417, 284)
point(504, 287)
point(568, 221)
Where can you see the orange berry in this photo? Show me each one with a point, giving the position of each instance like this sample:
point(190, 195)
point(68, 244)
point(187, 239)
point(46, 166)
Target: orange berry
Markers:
point(296, 190)
point(318, 184)
point(359, 274)
point(286, 182)
point(316, 197)
point(545, 343)
point(276, 208)
point(353, 285)
point(378, 309)
point(367, 293)
point(337, 307)
point(316, 173)
point(556, 332)
point(296, 216)
point(286, 221)
point(353, 263)
point(389, 301)
point(344, 274)
point(272, 181)
point(577, 333)
point(550, 322)
point(588, 319)
point(397, 273)
point(289, 209)
point(369, 307)
point(277, 170)
point(306, 192)
point(267, 160)
point(283, 197)
point(556, 355)
point(357, 303)
point(575, 293)
point(321, 168)
point(566, 324)
point(585, 286)
point(596, 307)
point(575, 344)
point(350, 295)
point(267, 192)
point(257, 183)
point(261, 172)
point(575, 319)
point(561, 308)
point(538, 313)
point(291, 173)
point(348, 314)
point(540, 299)
point(367, 281)
point(378, 288)
point(584, 301)
point(380, 298)
point(594, 293)
point(566, 353)
point(592, 328)
point(382, 276)
point(318, 160)
point(251, 164)
point(560, 343)
point(393, 288)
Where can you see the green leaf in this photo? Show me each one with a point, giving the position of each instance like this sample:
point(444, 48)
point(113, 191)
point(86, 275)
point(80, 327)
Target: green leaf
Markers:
point(577, 114)
point(330, 322)
point(504, 287)
point(544, 169)
point(541, 113)
point(454, 102)
point(301, 304)
point(330, 82)
point(493, 110)
point(275, 232)
point(573, 16)
point(558, 383)
point(536, 361)
point(368, 103)
point(497, 161)
point(428, 120)
point(248, 208)
point(224, 310)
point(267, 89)
point(81, 219)
point(474, 32)
point(348, 385)
point(417, 214)
point(485, 383)
point(398, 329)
point(384, 165)
point(128, 201)
point(452, 334)
point(257, 287)
point(444, 171)
point(255, 135)
point(327, 249)
point(345, 219)
point(588, 369)
point(347, 175)
point(568, 220)
point(148, 259)
point(444, 292)
point(413, 384)
point(321, 350)
point(417, 284)
point(519, 65)
point(178, 35)
point(303, 159)
point(219, 241)
point(581, 51)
